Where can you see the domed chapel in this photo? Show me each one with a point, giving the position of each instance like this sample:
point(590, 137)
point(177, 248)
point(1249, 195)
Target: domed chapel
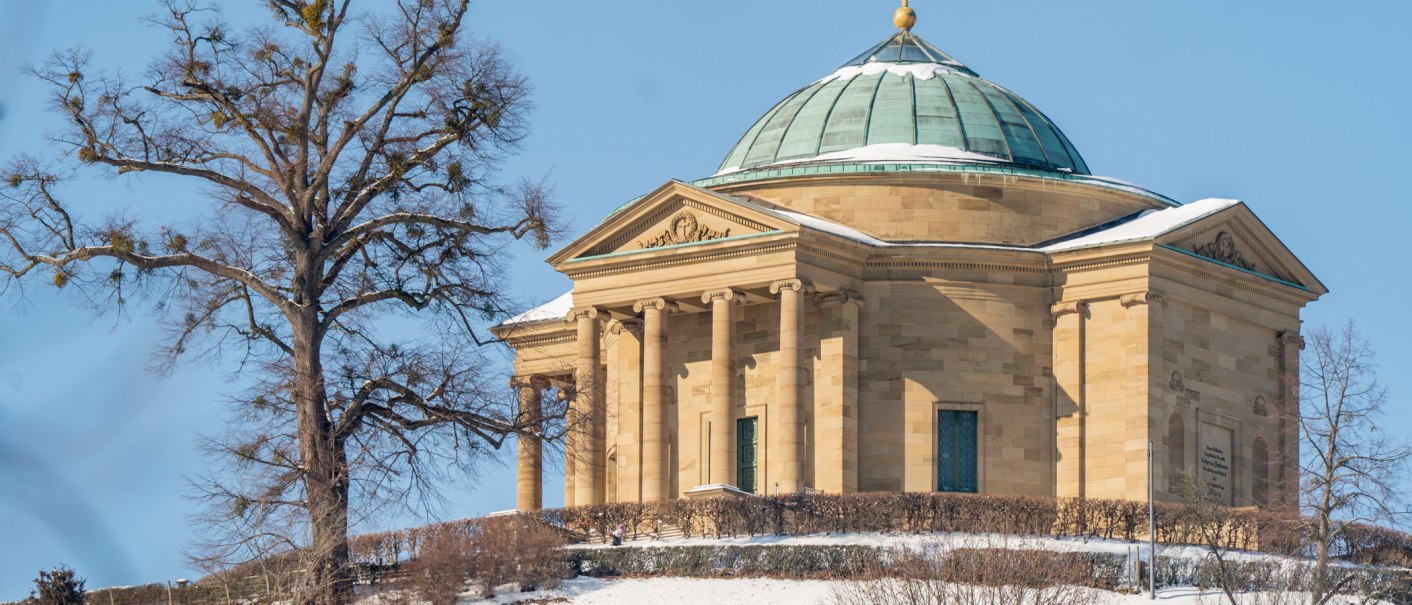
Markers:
point(905, 277)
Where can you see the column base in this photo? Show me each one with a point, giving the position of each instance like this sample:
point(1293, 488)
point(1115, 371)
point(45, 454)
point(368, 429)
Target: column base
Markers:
point(715, 490)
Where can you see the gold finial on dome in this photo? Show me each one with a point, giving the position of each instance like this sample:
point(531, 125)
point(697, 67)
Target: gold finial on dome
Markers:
point(904, 17)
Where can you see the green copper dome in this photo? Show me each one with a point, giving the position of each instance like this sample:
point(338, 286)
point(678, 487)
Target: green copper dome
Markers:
point(904, 100)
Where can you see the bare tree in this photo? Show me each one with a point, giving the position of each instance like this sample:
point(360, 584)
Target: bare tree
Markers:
point(1351, 466)
point(347, 162)
point(1211, 524)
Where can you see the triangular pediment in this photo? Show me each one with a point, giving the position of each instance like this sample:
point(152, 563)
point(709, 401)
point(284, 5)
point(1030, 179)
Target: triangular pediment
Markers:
point(1235, 237)
point(674, 215)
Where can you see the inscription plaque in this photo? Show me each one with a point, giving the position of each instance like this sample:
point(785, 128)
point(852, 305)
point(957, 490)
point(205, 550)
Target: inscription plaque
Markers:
point(1216, 445)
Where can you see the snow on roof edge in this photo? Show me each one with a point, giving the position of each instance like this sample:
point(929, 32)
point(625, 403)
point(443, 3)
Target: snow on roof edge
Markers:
point(1148, 225)
point(554, 309)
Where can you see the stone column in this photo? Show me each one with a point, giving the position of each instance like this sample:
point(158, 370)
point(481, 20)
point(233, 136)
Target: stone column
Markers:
point(588, 408)
point(529, 494)
point(789, 431)
point(656, 474)
point(1069, 392)
point(722, 447)
point(625, 372)
point(836, 393)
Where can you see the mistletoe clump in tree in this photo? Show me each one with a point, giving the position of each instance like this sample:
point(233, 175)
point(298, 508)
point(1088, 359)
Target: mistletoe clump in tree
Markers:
point(345, 159)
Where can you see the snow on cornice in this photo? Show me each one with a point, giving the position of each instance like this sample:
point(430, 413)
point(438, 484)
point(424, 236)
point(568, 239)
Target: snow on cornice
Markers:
point(1148, 225)
point(554, 309)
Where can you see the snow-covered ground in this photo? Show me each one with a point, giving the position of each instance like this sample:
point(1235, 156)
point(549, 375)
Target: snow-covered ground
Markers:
point(687, 591)
point(692, 591)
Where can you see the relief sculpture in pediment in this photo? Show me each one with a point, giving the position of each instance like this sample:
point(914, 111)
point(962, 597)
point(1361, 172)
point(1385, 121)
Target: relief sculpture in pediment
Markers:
point(1223, 249)
point(684, 229)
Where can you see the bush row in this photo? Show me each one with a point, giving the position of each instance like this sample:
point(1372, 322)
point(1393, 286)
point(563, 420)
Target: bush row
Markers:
point(1095, 570)
point(157, 594)
point(719, 561)
point(911, 512)
point(1390, 585)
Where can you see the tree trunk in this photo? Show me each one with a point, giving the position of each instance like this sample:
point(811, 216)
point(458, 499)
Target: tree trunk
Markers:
point(325, 472)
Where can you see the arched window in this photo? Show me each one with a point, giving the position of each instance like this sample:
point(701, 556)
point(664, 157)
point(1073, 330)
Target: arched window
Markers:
point(1260, 472)
point(1176, 453)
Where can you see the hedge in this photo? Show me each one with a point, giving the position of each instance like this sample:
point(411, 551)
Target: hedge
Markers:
point(721, 561)
point(905, 512)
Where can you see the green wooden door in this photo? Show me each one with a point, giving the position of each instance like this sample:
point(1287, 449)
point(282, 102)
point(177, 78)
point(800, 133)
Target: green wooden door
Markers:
point(956, 451)
point(745, 442)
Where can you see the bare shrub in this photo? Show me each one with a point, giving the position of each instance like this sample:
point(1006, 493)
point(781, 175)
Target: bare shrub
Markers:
point(975, 576)
point(442, 569)
point(518, 549)
point(58, 586)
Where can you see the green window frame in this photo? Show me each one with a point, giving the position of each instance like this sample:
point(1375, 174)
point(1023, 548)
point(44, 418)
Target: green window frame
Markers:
point(956, 451)
point(747, 441)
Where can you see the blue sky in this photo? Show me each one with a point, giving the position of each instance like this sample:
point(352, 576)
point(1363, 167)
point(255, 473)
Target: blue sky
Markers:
point(1297, 108)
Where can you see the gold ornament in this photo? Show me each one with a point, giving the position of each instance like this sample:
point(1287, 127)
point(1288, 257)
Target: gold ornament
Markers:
point(904, 17)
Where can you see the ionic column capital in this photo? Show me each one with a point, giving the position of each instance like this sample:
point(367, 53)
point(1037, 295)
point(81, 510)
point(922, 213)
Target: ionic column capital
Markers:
point(529, 382)
point(1073, 307)
point(660, 304)
point(581, 313)
point(797, 285)
point(631, 325)
point(1290, 338)
point(1143, 298)
point(846, 297)
point(727, 294)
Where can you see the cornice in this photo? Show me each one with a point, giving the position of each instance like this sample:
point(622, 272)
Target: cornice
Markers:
point(693, 257)
point(1210, 272)
point(894, 263)
point(541, 340)
point(1101, 263)
point(730, 216)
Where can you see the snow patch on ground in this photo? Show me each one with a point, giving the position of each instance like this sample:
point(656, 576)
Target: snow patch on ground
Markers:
point(698, 591)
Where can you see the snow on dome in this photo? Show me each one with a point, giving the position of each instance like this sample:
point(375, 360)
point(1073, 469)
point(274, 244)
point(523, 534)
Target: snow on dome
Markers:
point(920, 71)
point(897, 152)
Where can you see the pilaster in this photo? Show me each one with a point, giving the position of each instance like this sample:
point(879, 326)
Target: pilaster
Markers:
point(625, 375)
point(836, 392)
point(1069, 321)
point(1285, 488)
